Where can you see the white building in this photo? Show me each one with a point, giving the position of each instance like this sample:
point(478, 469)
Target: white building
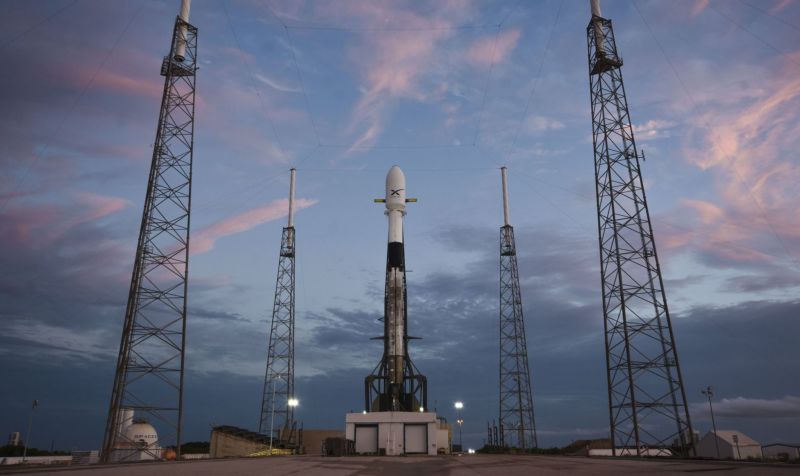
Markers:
point(396, 433)
point(732, 445)
point(781, 451)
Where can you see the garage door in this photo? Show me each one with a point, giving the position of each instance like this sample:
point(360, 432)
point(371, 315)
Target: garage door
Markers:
point(416, 438)
point(366, 439)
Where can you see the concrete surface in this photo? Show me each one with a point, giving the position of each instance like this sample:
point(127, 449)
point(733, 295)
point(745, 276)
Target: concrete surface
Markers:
point(505, 465)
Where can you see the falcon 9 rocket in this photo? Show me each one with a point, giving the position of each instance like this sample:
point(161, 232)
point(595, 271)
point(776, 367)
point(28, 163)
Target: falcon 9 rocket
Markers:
point(395, 384)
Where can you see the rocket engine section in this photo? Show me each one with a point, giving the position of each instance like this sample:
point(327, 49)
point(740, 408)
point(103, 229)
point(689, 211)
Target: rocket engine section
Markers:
point(395, 384)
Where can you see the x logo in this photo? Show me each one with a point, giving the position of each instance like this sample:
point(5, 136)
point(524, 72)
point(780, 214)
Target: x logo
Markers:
point(396, 193)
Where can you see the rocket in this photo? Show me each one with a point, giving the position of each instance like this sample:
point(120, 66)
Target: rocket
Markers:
point(396, 368)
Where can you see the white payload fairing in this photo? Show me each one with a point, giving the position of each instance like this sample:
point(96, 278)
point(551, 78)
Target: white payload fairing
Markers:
point(396, 372)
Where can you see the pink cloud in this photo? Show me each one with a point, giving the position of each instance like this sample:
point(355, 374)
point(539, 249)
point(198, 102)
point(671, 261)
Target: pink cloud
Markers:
point(780, 6)
point(748, 148)
point(39, 225)
point(394, 63)
point(204, 240)
point(699, 6)
point(493, 49)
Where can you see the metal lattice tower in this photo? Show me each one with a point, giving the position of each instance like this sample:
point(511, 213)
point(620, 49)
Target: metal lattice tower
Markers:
point(517, 424)
point(149, 372)
point(647, 403)
point(277, 414)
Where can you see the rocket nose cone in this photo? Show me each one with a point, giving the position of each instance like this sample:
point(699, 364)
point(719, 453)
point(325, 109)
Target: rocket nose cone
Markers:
point(395, 189)
point(395, 178)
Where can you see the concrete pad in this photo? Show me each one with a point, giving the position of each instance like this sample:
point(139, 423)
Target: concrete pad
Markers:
point(506, 465)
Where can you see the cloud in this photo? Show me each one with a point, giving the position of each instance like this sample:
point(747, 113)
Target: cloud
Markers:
point(61, 342)
point(743, 407)
point(393, 64)
point(653, 129)
point(275, 85)
point(204, 240)
point(742, 146)
point(493, 49)
point(542, 123)
point(699, 7)
point(36, 225)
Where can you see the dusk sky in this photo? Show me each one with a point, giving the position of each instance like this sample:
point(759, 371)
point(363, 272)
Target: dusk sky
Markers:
point(449, 91)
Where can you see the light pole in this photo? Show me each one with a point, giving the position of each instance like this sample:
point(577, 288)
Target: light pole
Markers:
point(292, 402)
point(28, 435)
point(272, 418)
point(460, 421)
point(709, 392)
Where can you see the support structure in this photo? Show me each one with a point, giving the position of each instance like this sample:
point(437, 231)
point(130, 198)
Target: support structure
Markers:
point(149, 375)
point(277, 402)
point(647, 403)
point(517, 424)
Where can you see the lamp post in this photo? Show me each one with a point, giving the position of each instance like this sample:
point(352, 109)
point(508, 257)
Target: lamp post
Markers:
point(28, 435)
point(460, 421)
point(709, 392)
point(292, 402)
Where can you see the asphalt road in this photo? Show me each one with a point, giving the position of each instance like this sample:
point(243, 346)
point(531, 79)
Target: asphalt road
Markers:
point(503, 465)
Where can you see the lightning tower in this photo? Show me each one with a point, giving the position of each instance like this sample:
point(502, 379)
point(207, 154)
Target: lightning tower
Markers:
point(149, 373)
point(647, 402)
point(277, 402)
point(517, 424)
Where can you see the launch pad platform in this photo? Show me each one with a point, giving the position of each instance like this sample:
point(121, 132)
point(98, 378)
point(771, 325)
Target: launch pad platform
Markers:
point(507, 465)
point(397, 433)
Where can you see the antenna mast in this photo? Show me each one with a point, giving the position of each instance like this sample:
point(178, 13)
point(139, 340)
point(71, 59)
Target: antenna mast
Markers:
point(277, 409)
point(517, 424)
point(647, 403)
point(149, 373)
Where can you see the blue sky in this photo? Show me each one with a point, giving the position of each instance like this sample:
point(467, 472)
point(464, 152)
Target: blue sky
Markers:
point(449, 91)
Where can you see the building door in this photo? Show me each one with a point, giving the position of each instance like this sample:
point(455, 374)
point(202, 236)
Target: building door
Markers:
point(366, 439)
point(416, 438)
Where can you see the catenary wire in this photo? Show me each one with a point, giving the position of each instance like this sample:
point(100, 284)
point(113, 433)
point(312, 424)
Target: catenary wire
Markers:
point(37, 25)
point(537, 79)
point(252, 78)
point(751, 33)
point(767, 13)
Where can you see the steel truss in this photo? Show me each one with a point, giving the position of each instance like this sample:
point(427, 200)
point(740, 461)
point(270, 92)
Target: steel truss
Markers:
point(517, 424)
point(277, 415)
point(647, 402)
point(149, 372)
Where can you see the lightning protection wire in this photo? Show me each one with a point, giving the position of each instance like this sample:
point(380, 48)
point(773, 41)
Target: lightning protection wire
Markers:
point(300, 79)
point(489, 77)
point(36, 25)
point(749, 32)
point(769, 14)
point(537, 79)
point(26, 167)
point(251, 189)
point(252, 76)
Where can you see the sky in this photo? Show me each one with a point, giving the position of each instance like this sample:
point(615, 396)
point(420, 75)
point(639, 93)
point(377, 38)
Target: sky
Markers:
point(450, 91)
